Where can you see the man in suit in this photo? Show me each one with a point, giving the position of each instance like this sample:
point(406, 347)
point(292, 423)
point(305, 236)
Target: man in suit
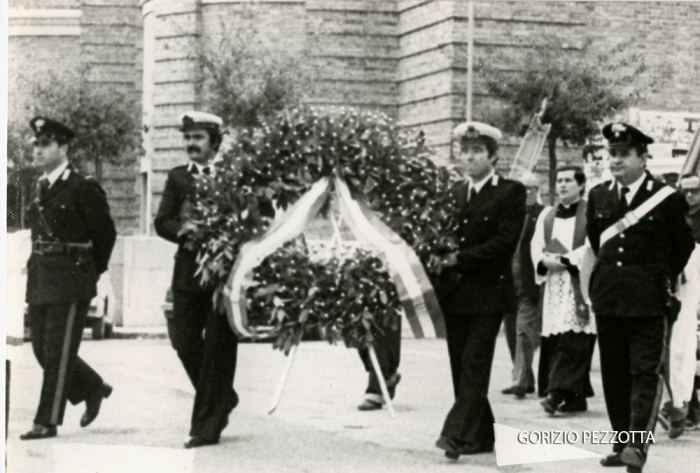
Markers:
point(201, 336)
point(637, 265)
point(529, 318)
point(73, 236)
point(479, 285)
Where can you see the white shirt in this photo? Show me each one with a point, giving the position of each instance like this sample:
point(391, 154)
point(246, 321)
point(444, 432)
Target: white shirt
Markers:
point(55, 174)
point(479, 185)
point(210, 165)
point(633, 188)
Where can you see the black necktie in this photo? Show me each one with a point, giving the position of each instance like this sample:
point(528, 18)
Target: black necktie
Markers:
point(42, 187)
point(472, 193)
point(206, 171)
point(624, 206)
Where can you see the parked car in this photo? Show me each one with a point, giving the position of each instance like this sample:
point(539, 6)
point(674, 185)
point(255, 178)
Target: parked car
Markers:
point(100, 318)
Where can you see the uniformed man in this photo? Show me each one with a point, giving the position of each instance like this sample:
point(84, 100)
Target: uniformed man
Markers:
point(478, 286)
point(72, 240)
point(639, 257)
point(201, 336)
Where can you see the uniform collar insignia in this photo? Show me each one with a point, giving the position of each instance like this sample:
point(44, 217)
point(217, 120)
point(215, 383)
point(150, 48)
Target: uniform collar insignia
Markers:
point(650, 185)
point(494, 180)
point(611, 187)
point(65, 174)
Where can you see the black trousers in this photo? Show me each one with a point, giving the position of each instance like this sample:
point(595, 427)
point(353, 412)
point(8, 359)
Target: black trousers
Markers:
point(567, 364)
point(510, 327)
point(57, 331)
point(208, 349)
point(631, 358)
point(387, 346)
point(471, 341)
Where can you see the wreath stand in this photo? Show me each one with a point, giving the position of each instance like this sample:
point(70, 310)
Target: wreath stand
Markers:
point(334, 243)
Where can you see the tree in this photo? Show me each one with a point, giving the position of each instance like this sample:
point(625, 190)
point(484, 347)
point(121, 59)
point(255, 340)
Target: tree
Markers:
point(583, 87)
point(245, 81)
point(106, 121)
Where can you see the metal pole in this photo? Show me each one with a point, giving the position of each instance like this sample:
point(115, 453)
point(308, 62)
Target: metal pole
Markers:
point(470, 60)
point(280, 386)
point(382, 382)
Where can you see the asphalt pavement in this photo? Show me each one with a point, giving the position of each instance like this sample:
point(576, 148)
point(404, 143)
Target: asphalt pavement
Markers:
point(316, 428)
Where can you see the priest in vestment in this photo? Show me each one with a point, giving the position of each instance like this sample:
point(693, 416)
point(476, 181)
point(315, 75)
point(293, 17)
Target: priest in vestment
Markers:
point(568, 327)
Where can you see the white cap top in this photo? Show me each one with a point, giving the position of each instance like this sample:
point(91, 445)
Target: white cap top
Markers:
point(195, 118)
point(473, 130)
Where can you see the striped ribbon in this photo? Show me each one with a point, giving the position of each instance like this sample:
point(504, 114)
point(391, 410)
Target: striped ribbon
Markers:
point(415, 291)
point(285, 227)
point(413, 286)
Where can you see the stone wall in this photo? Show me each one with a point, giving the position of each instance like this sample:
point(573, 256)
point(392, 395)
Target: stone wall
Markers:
point(60, 37)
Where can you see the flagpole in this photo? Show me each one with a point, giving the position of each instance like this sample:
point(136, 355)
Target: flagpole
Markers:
point(470, 60)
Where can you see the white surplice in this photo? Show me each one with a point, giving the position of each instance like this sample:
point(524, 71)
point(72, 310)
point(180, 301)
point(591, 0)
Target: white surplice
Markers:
point(559, 304)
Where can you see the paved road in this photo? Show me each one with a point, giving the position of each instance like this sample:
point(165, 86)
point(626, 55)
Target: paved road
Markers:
point(316, 427)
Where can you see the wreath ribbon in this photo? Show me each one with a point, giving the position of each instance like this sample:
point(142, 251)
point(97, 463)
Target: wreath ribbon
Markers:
point(286, 226)
point(413, 286)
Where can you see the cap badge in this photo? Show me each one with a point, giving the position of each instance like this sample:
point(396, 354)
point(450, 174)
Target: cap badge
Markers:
point(187, 120)
point(39, 124)
point(471, 133)
point(618, 128)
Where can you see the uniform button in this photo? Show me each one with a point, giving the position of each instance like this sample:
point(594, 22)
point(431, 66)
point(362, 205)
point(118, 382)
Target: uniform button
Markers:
point(620, 249)
point(619, 263)
point(622, 235)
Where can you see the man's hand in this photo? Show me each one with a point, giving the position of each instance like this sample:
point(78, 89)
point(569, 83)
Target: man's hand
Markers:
point(553, 263)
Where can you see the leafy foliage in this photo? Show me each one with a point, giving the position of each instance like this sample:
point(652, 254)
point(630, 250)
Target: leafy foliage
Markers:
point(583, 87)
point(244, 81)
point(383, 163)
point(348, 296)
point(105, 119)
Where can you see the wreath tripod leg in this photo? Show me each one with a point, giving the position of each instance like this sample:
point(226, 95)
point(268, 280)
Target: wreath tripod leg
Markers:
point(280, 386)
point(382, 382)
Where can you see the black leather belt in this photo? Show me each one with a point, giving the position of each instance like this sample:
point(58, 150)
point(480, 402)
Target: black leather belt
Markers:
point(60, 248)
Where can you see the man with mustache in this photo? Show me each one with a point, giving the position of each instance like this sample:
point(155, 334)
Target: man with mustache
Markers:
point(637, 227)
point(201, 336)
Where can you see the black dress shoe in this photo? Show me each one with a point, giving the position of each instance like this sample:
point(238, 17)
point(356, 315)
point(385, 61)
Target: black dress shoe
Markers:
point(633, 457)
point(93, 403)
point(369, 405)
point(471, 449)
point(519, 391)
point(391, 384)
point(40, 432)
point(452, 447)
point(551, 403)
point(612, 460)
point(516, 390)
point(580, 405)
point(195, 442)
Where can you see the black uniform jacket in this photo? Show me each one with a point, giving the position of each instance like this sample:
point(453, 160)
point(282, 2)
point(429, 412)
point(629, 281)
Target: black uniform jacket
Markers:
point(73, 210)
point(179, 193)
point(634, 269)
point(526, 285)
point(489, 229)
